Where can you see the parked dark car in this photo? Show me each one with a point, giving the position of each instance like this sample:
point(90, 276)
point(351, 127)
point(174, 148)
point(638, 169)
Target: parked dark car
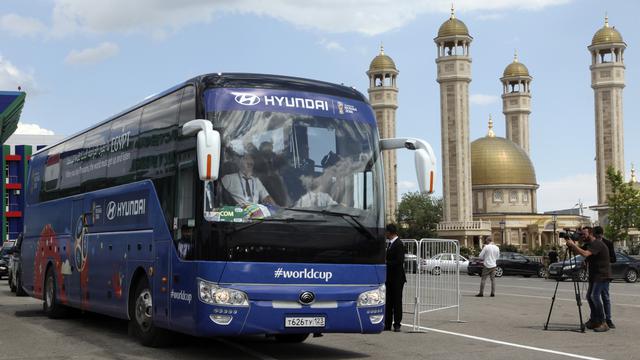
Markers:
point(5, 254)
point(509, 263)
point(625, 267)
point(15, 269)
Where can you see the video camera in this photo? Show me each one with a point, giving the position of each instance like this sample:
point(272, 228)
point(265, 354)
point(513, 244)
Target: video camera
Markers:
point(575, 235)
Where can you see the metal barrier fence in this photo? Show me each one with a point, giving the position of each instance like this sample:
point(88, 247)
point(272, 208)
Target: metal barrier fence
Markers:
point(432, 267)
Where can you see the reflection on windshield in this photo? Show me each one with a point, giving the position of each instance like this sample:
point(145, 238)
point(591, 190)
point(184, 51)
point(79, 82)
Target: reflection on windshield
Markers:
point(273, 161)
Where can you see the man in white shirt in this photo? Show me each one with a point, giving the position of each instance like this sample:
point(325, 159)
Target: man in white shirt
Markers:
point(489, 255)
point(315, 197)
point(244, 187)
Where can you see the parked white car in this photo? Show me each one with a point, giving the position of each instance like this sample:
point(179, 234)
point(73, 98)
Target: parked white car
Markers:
point(444, 262)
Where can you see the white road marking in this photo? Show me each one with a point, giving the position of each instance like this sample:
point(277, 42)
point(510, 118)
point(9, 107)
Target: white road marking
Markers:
point(507, 343)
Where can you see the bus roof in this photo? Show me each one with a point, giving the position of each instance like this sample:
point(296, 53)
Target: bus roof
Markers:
point(233, 80)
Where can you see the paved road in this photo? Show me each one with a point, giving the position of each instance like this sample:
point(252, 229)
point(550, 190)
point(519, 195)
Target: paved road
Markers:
point(508, 326)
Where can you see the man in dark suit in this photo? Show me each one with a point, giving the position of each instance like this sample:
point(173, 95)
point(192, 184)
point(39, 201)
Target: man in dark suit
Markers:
point(395, 279)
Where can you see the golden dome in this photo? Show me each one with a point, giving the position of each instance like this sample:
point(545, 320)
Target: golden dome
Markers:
point(453, 27)
point(497, 161)
point(516, 68)
point(382, 61)
point(606, 34)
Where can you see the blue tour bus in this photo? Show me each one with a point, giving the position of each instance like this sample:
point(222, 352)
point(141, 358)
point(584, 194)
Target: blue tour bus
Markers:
point(229, 204)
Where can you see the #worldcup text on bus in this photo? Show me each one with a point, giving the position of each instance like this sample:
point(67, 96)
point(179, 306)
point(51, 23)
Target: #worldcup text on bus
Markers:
point(303, 274)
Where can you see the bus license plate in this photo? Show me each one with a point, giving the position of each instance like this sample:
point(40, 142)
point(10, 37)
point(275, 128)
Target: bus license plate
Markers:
point(317, 321)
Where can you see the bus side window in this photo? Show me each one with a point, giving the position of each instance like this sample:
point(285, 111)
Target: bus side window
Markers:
point(156, 145)
point(94, 158)
point(122, 148)
point(184, 221)
point(71, 166)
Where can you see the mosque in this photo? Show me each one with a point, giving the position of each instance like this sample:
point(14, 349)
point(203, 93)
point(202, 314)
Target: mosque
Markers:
point(489, 184)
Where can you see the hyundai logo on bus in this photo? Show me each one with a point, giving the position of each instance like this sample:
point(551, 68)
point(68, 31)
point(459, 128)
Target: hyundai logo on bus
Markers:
point(249, 99)
point(303, 274)
point(126, 208)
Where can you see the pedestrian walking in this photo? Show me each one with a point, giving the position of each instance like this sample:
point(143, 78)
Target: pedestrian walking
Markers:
point(489, 255)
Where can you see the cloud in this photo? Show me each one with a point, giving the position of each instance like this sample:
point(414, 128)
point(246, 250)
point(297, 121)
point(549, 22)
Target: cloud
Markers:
point(156, 17)
point(331, 45)
point(21, 26)
point(92, 55)
point(407, 186)
point(490, 16)
point(482, 99)
point(566, 192)
point(32, 129)
point(11, 77)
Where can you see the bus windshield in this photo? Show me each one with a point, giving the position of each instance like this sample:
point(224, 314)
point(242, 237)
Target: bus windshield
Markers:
point(295, 163)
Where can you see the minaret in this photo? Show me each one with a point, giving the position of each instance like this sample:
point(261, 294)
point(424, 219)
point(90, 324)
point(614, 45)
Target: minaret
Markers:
point(607, 80)
point(383, 96)
point(454, 75)
point(516, 102)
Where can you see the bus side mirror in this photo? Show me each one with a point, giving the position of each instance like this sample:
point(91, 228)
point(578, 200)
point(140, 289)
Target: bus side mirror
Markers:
point(425, 160)
point(208, 150)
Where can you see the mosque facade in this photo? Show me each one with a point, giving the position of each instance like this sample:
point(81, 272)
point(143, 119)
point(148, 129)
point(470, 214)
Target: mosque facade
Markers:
point(489, 184)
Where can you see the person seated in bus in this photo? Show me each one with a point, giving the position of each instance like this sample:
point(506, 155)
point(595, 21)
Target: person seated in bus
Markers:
point(315, 196)
point(244, 187)
point(185, 243)
point(267, 167)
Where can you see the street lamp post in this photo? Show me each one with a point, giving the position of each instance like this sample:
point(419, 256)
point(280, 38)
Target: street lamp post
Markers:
point(554, 220)
point(502, 226)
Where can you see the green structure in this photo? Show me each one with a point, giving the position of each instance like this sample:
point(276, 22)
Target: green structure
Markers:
point(15, 166)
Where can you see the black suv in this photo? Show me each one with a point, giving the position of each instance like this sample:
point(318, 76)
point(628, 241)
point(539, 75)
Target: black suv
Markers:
point(509, 263)
point(15, 268)
point(625, 267)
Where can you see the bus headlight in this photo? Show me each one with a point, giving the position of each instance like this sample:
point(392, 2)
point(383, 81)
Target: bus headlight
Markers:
point(213, 294)
point(373, 297)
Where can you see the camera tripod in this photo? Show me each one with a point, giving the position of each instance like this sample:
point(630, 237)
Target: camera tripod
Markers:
point(575, 279)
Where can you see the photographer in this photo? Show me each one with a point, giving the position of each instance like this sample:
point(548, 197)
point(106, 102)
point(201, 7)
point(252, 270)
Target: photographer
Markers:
point(597, 258)
point(598, 232)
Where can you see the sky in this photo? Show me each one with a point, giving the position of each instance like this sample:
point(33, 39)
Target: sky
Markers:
point(81, 61)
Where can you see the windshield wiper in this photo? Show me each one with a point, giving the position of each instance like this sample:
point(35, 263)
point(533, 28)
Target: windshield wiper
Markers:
point(358, 225)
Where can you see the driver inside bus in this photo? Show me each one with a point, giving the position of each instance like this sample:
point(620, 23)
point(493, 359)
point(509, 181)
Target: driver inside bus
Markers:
point(316, 195)
point(244, 187)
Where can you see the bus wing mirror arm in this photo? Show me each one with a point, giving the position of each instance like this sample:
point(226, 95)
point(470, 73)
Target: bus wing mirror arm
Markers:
point(425, 159)
point(208, 150)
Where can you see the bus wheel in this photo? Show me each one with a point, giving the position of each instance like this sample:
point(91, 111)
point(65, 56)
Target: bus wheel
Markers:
point(291, 338)
point(51, 306)
point(19, 290)
point(141, 314)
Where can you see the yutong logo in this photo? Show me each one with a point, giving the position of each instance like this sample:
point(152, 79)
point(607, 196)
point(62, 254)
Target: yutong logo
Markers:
point(281, 101)
point(126, 208)
point(303, 274)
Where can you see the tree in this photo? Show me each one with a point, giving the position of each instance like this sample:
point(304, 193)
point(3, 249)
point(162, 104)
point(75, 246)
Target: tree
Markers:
point(418, 214)
point(624, 207)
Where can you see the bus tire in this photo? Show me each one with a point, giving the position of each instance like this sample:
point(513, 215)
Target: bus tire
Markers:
point(19, 289)
point(291, 338)
point(51, 307)
point(141, 317)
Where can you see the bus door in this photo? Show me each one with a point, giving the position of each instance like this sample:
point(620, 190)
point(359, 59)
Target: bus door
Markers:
point(182, 287)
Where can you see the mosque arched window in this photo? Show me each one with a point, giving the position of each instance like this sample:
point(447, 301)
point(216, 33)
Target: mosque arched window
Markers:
point(497, 196)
